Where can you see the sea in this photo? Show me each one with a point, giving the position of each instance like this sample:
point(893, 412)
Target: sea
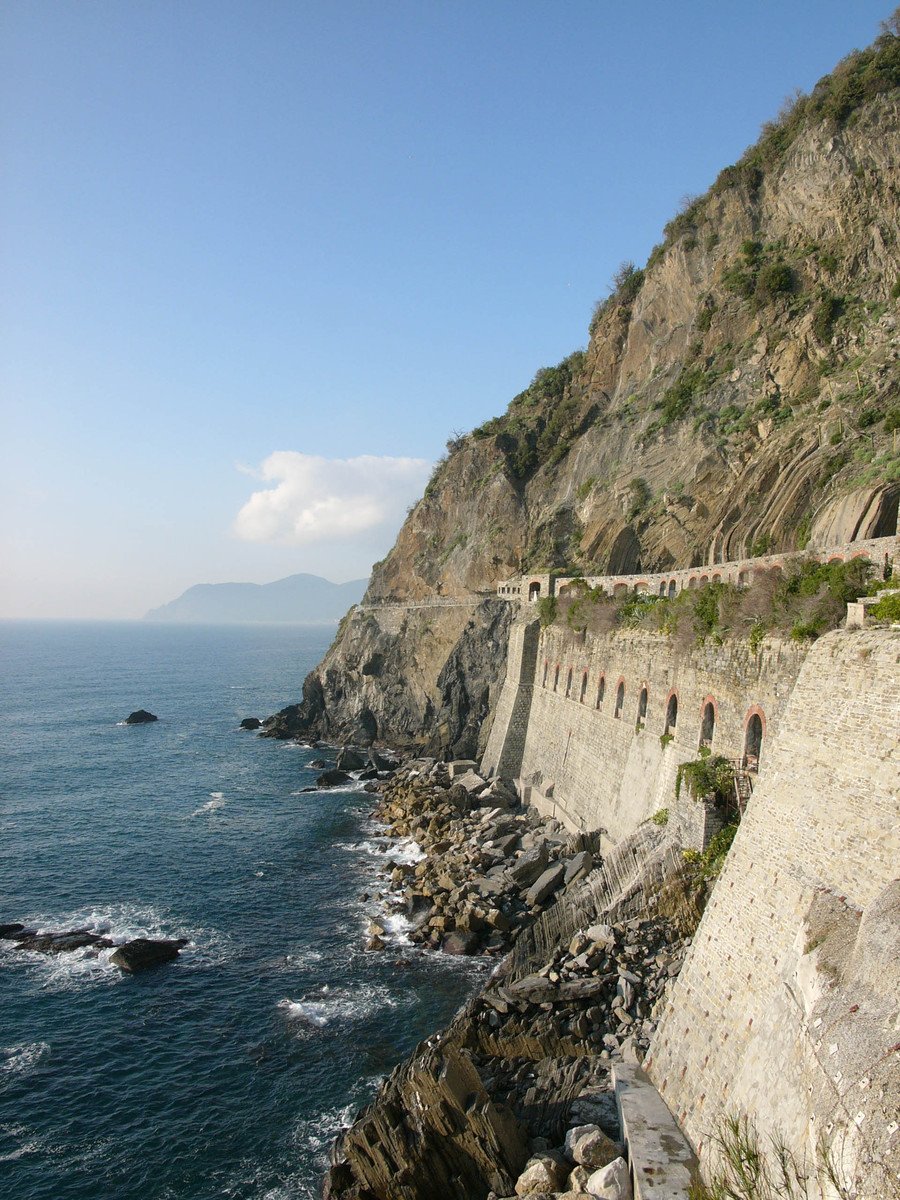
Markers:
point(226, 1073)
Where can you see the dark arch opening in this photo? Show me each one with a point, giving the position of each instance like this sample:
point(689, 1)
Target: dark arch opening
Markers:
point(671, 714)
point(620, 701)
point(569, 683)
point(556, 678)
point(642, 709)
point(601, 690)
point(584, 679)
point(546, 669)
point(662, 588)
point(673, 588)
point(708, 724)
point(753, 742)
point(534, 591)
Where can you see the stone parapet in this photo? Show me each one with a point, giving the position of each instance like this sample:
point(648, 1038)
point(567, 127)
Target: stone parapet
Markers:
point(881, 551)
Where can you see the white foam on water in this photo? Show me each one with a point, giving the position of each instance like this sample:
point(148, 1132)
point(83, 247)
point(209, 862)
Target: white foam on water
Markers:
point(21, 1060)
point(307, 958)
point(30, 1142)
point(329, 1006)
point(120, 923)
point(214, 803)
point(394, 850)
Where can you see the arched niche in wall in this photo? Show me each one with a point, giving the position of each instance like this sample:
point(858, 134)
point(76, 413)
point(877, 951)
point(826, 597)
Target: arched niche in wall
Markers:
point(556, 678)
point(754, 730)
point(671, 713)
point(642, 708)
point(601, 691)
point(620, 700)
point(707, 723)
point(569, 683)
point(584, 683)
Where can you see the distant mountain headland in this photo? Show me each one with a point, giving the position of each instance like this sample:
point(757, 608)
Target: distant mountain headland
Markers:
point(301, 599)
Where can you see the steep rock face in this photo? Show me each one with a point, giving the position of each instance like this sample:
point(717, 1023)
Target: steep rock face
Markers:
point(738, 396)
point(410, 676)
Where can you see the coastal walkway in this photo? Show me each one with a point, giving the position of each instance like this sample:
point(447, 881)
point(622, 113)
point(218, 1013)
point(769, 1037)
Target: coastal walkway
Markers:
point(882, 552)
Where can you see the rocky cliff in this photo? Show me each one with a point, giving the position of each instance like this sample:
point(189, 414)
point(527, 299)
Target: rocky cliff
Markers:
point(739, 394)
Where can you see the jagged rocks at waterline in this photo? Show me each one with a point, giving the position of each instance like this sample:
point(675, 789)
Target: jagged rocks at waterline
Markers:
point(53, 943)
point(251, 723)
point(469, 894)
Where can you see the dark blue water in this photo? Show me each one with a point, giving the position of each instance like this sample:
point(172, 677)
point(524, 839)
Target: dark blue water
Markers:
point(226, 1073)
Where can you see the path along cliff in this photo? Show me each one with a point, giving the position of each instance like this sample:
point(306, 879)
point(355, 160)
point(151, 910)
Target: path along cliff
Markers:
point(738, 398)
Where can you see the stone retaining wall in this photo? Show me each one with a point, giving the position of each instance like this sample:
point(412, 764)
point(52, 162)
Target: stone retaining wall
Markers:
point(786, 1007)
point(593, 741)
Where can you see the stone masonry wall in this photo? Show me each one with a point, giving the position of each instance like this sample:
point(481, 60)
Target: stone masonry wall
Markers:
point(593, 769)
point(787, 1007)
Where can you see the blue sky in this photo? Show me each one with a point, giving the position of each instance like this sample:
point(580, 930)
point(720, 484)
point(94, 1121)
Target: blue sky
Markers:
point(260, 259)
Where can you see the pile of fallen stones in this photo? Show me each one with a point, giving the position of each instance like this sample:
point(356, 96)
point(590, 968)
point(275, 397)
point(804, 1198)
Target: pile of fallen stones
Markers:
point(527, 1062)
point(602, 989)
point(489, 867)
point(589, 1163)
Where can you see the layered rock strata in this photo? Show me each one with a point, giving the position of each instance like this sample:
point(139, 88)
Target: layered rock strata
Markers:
point(516, 1091)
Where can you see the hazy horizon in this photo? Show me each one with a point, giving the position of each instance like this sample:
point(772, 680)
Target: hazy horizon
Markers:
point(262, 261)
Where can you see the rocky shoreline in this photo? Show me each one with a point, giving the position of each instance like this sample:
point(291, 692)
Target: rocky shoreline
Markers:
point(515, 1096)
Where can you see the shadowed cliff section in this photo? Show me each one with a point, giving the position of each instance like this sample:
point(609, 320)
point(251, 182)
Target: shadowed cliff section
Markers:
point(738, 396)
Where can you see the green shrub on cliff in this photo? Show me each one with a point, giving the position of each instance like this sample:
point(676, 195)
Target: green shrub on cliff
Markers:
point(548, 610)
point(887, 608)
point(712, 776)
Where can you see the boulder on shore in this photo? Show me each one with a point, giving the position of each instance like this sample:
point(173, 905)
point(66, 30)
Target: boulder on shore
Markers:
point(349, 759)
point(140, 717)
point(251, 723)
point(142, 953)
point(332, 778)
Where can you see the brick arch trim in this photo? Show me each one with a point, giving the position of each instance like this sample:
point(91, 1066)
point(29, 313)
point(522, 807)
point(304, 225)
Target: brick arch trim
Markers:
point(755, 711)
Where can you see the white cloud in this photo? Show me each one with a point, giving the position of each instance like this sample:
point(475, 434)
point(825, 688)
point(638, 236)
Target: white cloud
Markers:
point(313, 499)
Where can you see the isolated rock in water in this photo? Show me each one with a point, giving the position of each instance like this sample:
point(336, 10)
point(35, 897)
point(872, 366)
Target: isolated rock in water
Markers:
point(251, 723)
point(332, 778)
point(140, 717)
point(11, 930)
point(319, 764)
point(141, 953)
